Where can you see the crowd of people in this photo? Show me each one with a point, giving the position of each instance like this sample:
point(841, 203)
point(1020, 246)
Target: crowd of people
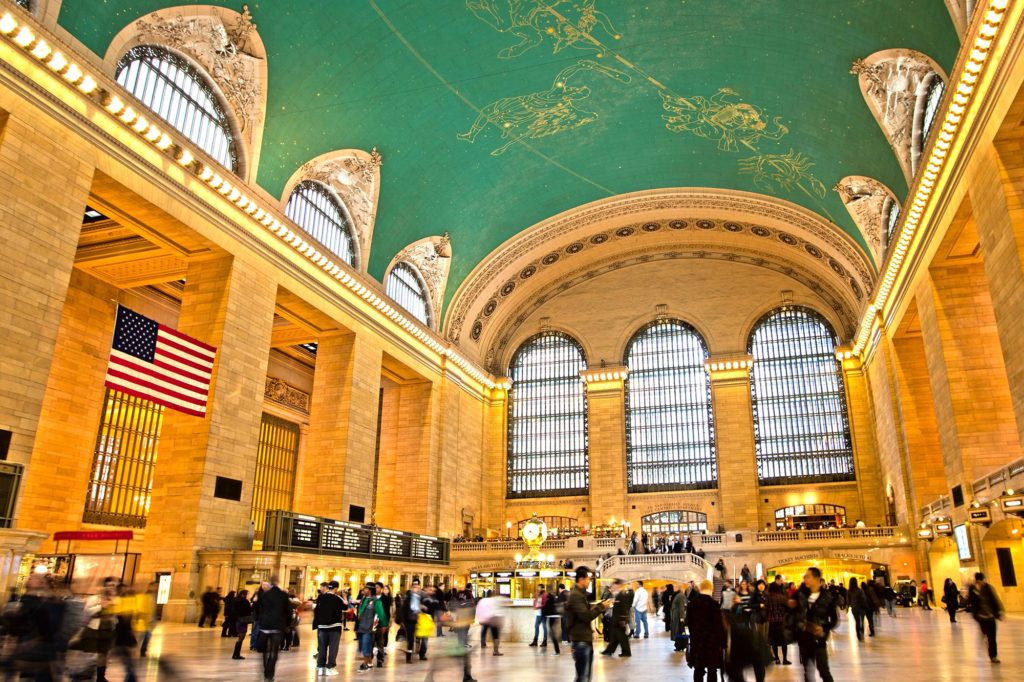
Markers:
point(725, 626)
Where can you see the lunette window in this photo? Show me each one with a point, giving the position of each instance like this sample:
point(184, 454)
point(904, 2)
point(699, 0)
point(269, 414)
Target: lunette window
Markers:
point(315, 208)
point(173, 89)
point(407, 289)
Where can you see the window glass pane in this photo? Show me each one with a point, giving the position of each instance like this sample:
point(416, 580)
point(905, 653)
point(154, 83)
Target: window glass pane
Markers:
point(801, 428)
point(675, 522)
point(176, 92)
point(314, 208)
point(892, 219)
point(547, 423)
point(123, 461)
point(670, 436)
point(931, 108)
point(276, 460)
point(406, 288)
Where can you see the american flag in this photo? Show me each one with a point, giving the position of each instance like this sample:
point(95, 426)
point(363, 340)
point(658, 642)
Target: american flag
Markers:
point(157, 363)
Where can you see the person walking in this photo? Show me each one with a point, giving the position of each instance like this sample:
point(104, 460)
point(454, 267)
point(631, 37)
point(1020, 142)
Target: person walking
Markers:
point(640, 604)
point(858, 606)
point(387, 604)
point(243, 616)
point(777, 605)
point(925, 595)
point(553, 620)
point(210, 601)
point(818, 617)
point(275, 615)
point(889, 595)
point(227, 626)
point(619, 621)
point(580, 614)
point(951, 598)
point(461, 610)
point(328, 619)
point(489, 617)
point(540, 623)
point(707, 634)
point(412, 605)
point(677, 619)
point(986, 609)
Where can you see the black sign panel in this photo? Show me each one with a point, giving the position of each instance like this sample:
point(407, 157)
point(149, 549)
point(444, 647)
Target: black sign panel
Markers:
point(287, 531)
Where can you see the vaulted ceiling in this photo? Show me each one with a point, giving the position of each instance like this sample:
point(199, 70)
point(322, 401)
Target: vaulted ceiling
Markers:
point(493, 115)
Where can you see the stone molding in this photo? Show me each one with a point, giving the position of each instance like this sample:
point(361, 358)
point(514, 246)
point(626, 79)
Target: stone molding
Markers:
point(281, 393)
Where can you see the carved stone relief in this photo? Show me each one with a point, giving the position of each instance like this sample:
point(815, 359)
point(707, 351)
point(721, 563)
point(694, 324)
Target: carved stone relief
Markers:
point(284, 394)
point(228, 52)
point(432, 256)
point(354, 175)
point(867, 200)
point(895, 84)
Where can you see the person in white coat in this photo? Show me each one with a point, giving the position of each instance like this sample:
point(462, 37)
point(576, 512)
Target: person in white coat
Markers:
point(640, 599)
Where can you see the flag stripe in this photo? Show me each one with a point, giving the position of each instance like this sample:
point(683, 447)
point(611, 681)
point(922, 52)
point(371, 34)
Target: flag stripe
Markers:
point(146, 395)
point(193, 346)
point(198, 380)
point(134, 376)
point(170, 356)
point(175, 381)
point(174, 347)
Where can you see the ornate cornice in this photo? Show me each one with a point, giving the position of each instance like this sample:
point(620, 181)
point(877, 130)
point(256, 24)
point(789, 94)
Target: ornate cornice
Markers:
point(279, 392)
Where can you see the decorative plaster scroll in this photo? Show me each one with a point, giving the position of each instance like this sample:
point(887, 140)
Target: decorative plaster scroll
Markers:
point(284, 394)
point(432, 257)
point(505, 261)
point(868, 201)
point(895, 86)
point(354, 175)
point(226, 45)
point(497, 343)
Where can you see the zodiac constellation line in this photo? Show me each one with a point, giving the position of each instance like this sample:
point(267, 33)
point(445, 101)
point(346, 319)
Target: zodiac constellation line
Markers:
point(531, 22)
point(543, 113)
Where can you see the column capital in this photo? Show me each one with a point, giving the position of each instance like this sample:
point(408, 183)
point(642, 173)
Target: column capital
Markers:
point(604, 378)
point(730, 367)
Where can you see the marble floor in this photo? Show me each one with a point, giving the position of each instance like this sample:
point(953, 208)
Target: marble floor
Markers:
point(916, 646)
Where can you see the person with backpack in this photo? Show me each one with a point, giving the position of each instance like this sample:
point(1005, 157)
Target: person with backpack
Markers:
point(552, 620)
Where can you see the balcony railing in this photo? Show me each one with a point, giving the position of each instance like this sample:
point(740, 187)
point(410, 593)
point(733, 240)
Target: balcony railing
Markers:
point(609, 565)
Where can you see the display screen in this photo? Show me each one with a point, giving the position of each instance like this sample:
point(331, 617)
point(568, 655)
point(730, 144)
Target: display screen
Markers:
point(963, 545)
point(344, 538)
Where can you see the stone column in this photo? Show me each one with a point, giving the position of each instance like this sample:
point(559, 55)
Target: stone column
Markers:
point(340, 451)
point(228, 303)
point(734, 438)
point(45, 176)
point(996, 202)
point(606, 426)
point(969, 385)
point(409, 500)
point(495, 458)
point(865, 452)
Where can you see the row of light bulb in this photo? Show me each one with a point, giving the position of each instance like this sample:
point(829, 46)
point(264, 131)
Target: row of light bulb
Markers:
point(24, 37)
point(976, 58)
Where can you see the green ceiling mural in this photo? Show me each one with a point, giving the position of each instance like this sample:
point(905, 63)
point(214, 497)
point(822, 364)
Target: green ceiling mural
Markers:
point(492, 115)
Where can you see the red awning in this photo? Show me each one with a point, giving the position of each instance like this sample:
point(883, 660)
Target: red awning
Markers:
point(93, 535)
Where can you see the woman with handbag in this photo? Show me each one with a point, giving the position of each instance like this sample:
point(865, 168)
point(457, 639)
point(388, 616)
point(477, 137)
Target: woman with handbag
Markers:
point(242, 611)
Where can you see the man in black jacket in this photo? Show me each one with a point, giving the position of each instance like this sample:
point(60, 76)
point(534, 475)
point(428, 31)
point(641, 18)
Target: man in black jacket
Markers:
point(986, 609)
point(816, 617)
point(328, 617)
point(275, 617)
point(580, 614)
point(622, 603)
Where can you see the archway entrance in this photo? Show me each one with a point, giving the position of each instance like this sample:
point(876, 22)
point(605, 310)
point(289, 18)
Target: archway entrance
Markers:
point(1003, 548)
point(838, 570)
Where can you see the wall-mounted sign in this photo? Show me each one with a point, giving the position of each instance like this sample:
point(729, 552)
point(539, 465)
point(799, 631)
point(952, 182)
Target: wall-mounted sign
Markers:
point(163, 588)
point(943, 528)
point(980, 515)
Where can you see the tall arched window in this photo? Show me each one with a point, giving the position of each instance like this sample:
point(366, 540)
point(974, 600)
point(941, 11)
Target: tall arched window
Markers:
point(932, 100)
point(177, 92)
point(670, 432)
point(407, 289)
point(317, 210)
point(801, 427)
point(892, 219)
point(547, 419)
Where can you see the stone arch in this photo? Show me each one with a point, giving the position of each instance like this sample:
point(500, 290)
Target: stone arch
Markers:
point(354, 176)
point(223, 45)
point(895, 85)
point(1006, 535)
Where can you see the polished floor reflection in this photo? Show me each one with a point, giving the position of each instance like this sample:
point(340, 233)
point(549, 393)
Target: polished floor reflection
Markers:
point(915, 646)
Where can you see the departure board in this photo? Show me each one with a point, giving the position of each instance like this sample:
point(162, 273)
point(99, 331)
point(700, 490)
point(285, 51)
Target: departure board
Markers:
point(288, 531)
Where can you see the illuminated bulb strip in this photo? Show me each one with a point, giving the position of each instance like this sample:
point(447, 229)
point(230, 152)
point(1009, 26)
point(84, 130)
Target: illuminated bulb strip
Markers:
point(725, 365)
point(959, 99)
point(25, 38)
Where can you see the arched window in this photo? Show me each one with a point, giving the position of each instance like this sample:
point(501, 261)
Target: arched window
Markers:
point(670, 432)
point(892, 219)
point(932, 100)
point(315, 208)
point(177, 92)
point(801, 427)
point(547, 419)
point(810, 517)
point(674, 522)
point(407, 289)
